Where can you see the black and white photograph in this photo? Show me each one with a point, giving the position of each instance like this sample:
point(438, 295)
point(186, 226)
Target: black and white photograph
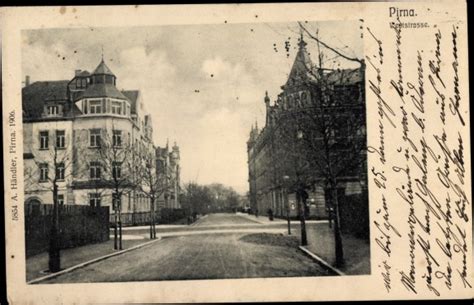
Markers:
point(191, 152)
point(264, 152)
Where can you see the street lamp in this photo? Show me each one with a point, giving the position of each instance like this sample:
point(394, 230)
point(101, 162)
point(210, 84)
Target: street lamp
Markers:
point(299, 196)
point(286, 178)
point(54, 262)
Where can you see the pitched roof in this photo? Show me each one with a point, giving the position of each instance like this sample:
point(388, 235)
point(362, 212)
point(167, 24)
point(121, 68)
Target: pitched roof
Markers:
point(84, 73)
point(35, 95)
point(103, 69)
point(132, 96)
point(101, 90)
point(302, 65)
point(345, 77)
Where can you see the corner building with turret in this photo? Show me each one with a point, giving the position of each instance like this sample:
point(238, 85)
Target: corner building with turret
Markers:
point(270, 168)
point(67, 120)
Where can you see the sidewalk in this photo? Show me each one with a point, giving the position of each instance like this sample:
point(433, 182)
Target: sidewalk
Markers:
point(147, 227)
point(163, 226)
point(356, 251)
point(35, 265)
point(263, 219)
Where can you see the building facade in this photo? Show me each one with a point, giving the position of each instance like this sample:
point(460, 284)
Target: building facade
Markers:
point(169, 171)
point(287, 153)
point(82, 135)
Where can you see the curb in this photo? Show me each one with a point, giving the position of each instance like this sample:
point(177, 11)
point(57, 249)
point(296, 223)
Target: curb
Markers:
point(254, 219)
point(92, 261)
point(198, 220)
point(321, 261)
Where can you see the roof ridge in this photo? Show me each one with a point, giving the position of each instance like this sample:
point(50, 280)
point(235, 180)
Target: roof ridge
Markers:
point(102, 68)
point(49, 81)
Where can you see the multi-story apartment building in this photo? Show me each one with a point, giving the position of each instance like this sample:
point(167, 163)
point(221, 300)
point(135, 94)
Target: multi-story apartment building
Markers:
point(169, 171)
point(68, 125)
point(276, 167)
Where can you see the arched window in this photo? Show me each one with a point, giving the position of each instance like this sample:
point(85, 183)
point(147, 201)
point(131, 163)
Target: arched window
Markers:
point(303, 98)
point(291, 101)
point(298, 101)
point(34, 206)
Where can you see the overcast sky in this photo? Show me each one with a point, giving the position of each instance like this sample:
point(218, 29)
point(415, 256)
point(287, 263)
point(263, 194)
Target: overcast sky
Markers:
point(230, 65)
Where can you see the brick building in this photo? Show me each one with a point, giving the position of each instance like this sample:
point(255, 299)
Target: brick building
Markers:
point(276, 166)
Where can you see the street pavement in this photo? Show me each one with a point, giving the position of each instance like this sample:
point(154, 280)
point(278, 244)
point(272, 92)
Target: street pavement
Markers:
point(219, 246)
point(223, 219)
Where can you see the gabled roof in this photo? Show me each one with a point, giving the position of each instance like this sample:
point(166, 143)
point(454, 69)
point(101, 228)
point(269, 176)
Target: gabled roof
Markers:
point(35, 95)
point(302, 66)
point(132, 96)
point(101, 90)
point(84, 73)
point(103, 69)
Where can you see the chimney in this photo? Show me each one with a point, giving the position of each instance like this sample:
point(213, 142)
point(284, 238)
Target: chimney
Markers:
point(77, 72)
point(27, 80)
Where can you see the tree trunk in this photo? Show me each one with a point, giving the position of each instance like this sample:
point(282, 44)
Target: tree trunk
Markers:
point(114, 205)
point(288, 211)
point(120, 226)
point(304, 239)
point(337, 228)
point(152, 219)
point(54, 262)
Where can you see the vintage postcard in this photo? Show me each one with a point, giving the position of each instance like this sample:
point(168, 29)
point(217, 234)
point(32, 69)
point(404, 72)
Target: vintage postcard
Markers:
point(235, 153)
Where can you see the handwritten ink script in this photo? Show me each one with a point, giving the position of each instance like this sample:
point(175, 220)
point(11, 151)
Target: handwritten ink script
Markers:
point(418, 173)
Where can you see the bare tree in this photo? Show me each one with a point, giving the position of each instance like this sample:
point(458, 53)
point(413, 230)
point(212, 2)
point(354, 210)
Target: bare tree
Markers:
point(53, 166)
point(290, 165)
point(113, 157)
point(151, 182)
point(197, 198)
point(322, 135)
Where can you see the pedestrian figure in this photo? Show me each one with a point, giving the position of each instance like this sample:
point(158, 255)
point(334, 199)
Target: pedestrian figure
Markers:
point(256, 213)
point(270, 214)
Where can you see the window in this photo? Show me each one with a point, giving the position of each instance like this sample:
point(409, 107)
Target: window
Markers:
point(44, 137)
point(43, 172)
point(94, 200)
point(109, 79)
point(117, 107)
point(53, 110)
point(94, 137)
point(117, 138)
point(95, 107)
point(60, 199)
point(305, 98)
point(95, 170)
point(60, 138)
point(60, 171)
point(116, 170)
